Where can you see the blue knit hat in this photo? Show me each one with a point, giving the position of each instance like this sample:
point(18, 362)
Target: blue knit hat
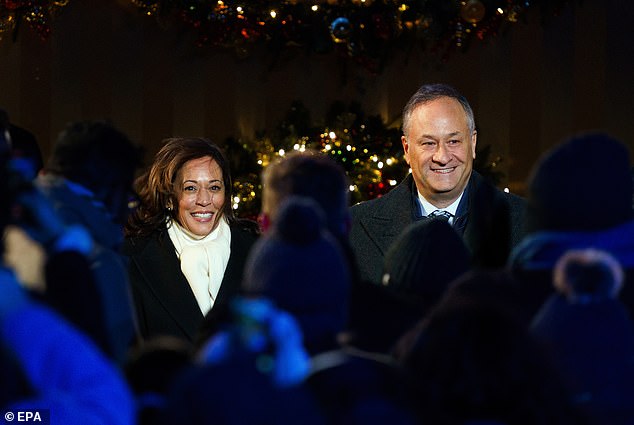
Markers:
point(300, 267)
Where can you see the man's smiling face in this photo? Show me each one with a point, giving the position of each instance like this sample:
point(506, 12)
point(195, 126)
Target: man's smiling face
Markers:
point(440, 148)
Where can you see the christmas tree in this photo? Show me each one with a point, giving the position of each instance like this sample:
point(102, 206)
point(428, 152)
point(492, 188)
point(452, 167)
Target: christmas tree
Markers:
point(368, 149)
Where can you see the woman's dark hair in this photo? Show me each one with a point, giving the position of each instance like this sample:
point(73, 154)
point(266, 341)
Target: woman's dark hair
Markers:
point(158, 198)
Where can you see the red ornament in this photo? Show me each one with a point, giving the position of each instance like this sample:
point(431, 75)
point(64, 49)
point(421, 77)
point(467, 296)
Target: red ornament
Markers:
point(12, 5)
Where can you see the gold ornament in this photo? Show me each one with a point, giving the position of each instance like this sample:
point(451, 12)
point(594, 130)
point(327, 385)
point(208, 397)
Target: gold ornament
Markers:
point(472, 11)
point(7, 23)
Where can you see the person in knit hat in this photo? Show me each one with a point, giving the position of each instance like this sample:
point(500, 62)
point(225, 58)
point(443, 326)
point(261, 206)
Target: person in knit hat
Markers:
point(575, 203)
point(315, 175)
point(589, 335)
point(300, 267)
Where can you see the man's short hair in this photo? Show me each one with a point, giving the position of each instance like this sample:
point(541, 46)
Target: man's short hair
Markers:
point(429, 92)
point(311, 174)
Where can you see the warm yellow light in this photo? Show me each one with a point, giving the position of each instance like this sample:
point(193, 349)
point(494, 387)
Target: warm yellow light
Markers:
point(315, 8)
point(273, 14)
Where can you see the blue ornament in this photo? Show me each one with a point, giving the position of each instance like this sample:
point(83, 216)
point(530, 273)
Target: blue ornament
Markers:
point(340, 29)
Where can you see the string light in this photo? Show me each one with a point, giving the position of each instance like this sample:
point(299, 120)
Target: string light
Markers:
point(38, 14)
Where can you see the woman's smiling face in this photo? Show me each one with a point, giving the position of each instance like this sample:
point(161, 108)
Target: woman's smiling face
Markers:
point(201, 196)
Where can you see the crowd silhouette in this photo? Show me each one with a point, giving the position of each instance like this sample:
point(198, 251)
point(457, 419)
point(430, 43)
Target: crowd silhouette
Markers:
point(148, 301)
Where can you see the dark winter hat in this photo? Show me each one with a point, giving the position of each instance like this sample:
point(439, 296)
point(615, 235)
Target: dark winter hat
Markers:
point(423, 260)
point(300, 267)
point(583, 184)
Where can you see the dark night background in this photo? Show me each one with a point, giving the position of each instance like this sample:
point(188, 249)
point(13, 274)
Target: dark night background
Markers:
point(533, 84)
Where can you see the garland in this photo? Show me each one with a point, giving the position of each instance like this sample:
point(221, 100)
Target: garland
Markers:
point(366, 31)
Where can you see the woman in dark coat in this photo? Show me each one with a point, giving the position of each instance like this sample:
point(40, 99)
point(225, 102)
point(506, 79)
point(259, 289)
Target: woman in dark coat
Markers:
point(186, 248)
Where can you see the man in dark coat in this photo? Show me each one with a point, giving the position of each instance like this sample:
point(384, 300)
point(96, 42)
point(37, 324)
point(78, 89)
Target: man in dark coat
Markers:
point(439, 142)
